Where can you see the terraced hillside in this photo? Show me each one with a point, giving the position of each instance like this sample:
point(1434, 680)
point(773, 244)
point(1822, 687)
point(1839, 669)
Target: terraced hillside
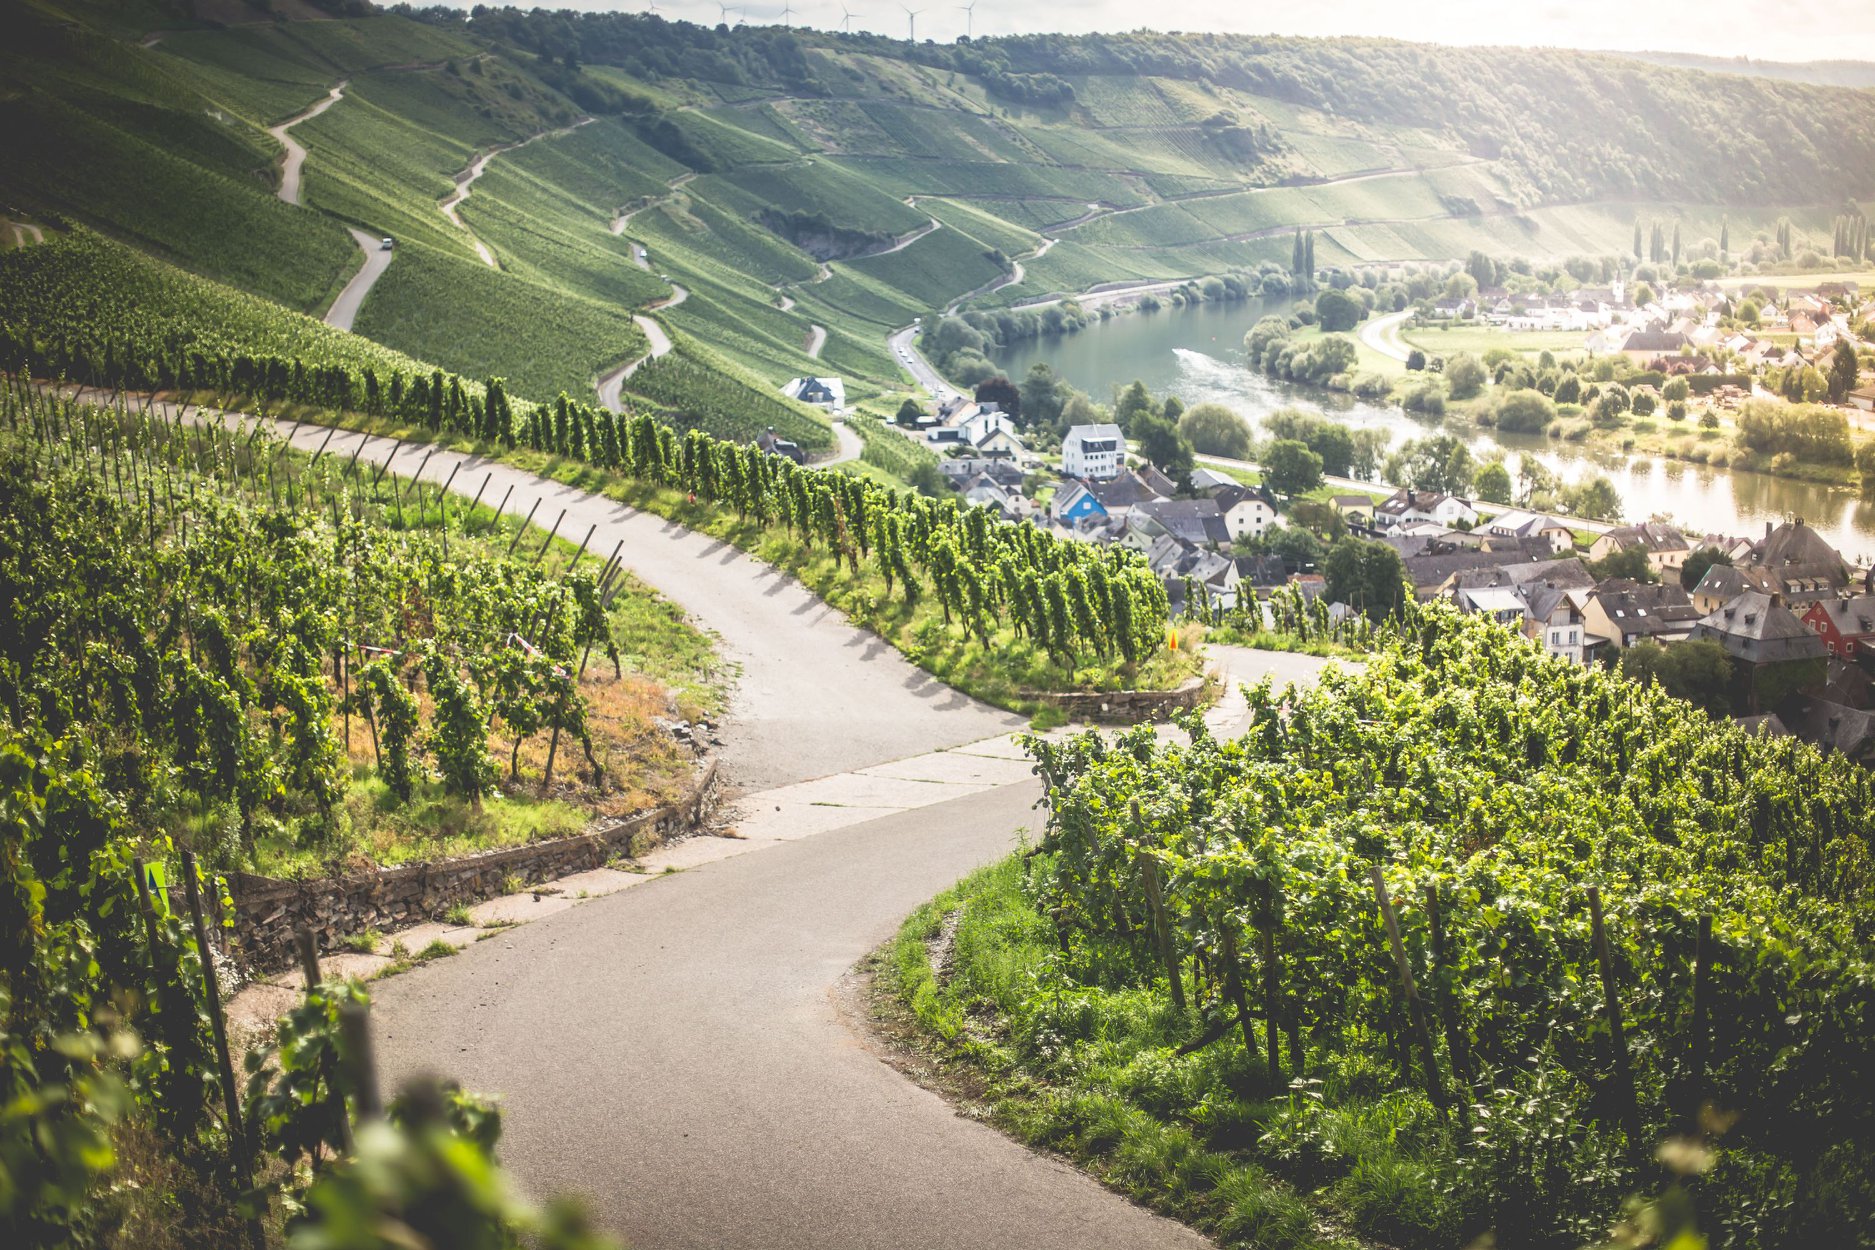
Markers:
point(781, 200)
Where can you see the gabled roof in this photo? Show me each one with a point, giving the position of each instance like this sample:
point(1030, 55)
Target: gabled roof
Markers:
point(1124, 490)
point(1569, 574)
point(1650, 536)
point(1204, 481)
point(1195, 520)
point(1830, 725)
point(1853, 618)
point(1638, 609)
point(1156, 481)
point(1722, 581)
point(1102, 437)
point(1236, 493)
point(1758, 627)
point(1262, 571)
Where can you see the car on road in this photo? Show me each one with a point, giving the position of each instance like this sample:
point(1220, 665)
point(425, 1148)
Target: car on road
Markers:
point(386, 245)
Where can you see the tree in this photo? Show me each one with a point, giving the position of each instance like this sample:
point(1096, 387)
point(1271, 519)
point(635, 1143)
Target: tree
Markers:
point(1596, 499)
point(1297, 548)
point(1629, 562)
point(1482, 269)
point(908, 412)
point(1493, 482)
point(1637, 238)
point(1465, 375)
point(1319, 518)
point(1041, 397)
point(999, 390)
point(1865, 467)
point(1438, 463)
point(1525, 412)
point(1698, 563)
point(1160, 442)
point(1843, 370)
point(1699, 672)
point(1130, 402)
point(1337, 311)
point(1367, 576)
point(1415, 360)
point(1215, 430)
point(1460, 286)
point(1290, 468)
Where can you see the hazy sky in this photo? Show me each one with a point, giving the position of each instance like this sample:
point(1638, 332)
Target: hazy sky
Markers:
point(1779, 30)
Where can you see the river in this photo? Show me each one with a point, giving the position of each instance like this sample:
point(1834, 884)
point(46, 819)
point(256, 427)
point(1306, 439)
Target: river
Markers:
point(1196, 353)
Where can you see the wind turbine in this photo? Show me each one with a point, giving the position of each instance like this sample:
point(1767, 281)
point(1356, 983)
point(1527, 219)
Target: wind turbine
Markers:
point(722, 13)
point(970, 12)
point(846, 19)
point(787, 12)
point(911, 24)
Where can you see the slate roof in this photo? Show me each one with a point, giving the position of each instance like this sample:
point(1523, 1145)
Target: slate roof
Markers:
point(1570, 574)
point(1797, 562)
point(1830, 725)
point(1194, 520)
point(1122, 491)
point(1262, 571)
point(1758, 628)
point(1639, 609)
point(1650, 536)
point(1853, 618)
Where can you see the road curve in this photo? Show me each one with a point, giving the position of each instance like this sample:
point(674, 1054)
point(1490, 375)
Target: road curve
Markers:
point(816, 339)
point(344, 310)
point(295, 153)
point(905, 350)
point(1382, 334)
point(849, 446)
point(612, 385)
point(477, 167)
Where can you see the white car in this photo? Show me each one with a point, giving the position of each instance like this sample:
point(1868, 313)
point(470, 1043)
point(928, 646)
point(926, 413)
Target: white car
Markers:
point(385, 245)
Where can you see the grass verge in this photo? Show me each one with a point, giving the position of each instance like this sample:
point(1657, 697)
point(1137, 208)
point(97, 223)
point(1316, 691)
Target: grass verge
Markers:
point(971, 998)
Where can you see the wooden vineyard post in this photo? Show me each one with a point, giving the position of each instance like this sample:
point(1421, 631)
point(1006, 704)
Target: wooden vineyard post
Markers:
point(1448, 1006)
point(309, 969)
point(501, 507)
point(1233, 984)
point(1617, 1035)
point(515, 541)
point(240, 1150)
point(1702, 994)
point(1161, 928)
point(1272, 981)
point(551, 535)
point(360, 1062)
point(1415, 1008)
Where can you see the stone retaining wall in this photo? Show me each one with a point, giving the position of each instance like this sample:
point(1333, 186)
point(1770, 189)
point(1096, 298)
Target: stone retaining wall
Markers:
point(1124, 707)
point(268, 911)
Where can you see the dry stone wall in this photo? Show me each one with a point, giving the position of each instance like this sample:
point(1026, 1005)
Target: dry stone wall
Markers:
point(1125, 707)
point(267, 911)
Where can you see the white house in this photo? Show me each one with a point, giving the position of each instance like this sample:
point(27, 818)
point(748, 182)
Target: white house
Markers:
point(1407, 506)
point(820, 392)
point(1248, 511)
point(1531, 525)
point(1093, 451)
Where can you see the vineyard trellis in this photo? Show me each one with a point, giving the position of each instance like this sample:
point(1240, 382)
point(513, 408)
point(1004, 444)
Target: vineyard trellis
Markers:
point(1572, 910)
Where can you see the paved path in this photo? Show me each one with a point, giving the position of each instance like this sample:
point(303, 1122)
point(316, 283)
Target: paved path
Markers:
point(612, 385)
point(816, 339)
point(1383, 334)
point(687, 1055)
point(850, 446)
point(295, 153)
point(476, 169)
point(344, 310)
point(905, 350)
point(816, 694)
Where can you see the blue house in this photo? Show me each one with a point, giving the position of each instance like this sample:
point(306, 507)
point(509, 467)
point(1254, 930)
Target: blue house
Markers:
point(1073, 503)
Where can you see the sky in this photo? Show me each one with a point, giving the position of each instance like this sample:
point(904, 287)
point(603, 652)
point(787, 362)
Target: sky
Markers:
point(1781, 30)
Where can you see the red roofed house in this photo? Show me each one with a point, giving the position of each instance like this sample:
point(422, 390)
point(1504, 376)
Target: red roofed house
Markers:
point(1846, 626)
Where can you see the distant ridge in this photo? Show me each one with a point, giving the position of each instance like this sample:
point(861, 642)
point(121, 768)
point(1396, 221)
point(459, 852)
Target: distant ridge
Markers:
point(1858, 74)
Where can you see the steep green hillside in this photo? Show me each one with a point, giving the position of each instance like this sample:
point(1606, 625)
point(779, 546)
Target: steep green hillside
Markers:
point(747, 186)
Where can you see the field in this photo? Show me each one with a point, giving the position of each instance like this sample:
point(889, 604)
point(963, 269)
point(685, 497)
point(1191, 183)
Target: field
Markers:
point(1478, 339)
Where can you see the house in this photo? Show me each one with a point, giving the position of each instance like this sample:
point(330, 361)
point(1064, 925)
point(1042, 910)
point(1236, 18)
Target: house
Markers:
point(1093, 451)
point(1846, 626)
point(1192, 520)
point(1074, 503)
point(1155, 481)
point(1721, 584)
point(1203, 481)
point(1122, 492)
point(999, 442)
point(1665, 546)
point(1406, 506)
point(960, 469)
point(1530, 525)
point(1774, 654)
point(1831, 726)
point(1501, 603)
point(1795, 563)
point(1247, 510)
point(827, 393)
point(1570, 574)
point(1355, 509)
point(1863, 397)
point(1553, 616)
point(1263, 573)
point(1626, 612)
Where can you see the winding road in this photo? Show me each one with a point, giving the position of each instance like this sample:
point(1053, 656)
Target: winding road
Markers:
point(1383, 334)
point(295, 153)
point(344, 310)
point(691, 1056)
point(477, 167)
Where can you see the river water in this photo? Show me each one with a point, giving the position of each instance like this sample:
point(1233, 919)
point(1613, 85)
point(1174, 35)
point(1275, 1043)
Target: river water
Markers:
point(1196, 353)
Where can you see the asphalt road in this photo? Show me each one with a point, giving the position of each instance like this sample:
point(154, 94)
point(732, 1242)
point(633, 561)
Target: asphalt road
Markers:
point(344, 310)
point(678, 1055)
point(295, 153)
point(815, 695)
